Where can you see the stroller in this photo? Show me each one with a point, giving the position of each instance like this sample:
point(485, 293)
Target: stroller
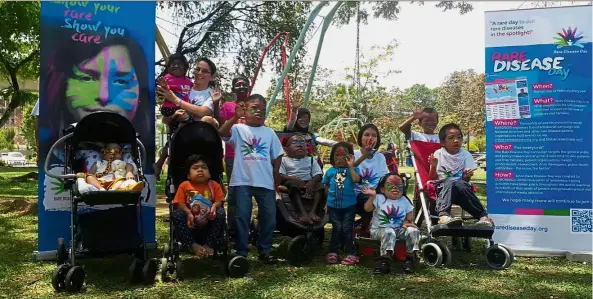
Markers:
point(201, 138)
point(434, 252)
point(306, 237)
point(111, 231)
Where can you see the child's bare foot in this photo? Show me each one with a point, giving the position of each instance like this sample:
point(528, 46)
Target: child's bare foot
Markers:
point(314, 217)
point(209, 251)
point(304, 219)
point(198, 250)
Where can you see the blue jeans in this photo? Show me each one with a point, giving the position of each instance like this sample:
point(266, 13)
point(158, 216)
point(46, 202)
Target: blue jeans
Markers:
point(342, 221)
point(266, 213)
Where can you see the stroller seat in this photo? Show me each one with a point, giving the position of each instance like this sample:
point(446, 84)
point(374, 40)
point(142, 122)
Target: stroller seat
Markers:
point(288, 211)
point(111, 197)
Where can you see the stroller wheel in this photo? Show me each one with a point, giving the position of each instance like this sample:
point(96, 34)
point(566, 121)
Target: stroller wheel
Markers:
point(74, 279)
point(446, 254)
point(135, 270)
point(511, 253)
point(237, 267)
point(432, 254)
point(299, 251)
point(164, 269)
point(61, 254)
point(498, 257)
point(179, 271)
point(467, 244)
point(149, 271)
point(58, 278)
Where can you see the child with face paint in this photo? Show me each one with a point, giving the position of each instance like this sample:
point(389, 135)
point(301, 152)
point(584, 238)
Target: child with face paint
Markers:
point(299, 121)
point(258, 154)
point(372, 166)
point(428, 119)
point(301, 175)
point(453, 167)
point(180, 85)
point(339, 183)
point(240, 90)
point(393, 219)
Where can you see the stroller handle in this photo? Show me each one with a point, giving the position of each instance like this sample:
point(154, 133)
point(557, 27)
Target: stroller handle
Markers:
point(142, 152)
point(46, 164)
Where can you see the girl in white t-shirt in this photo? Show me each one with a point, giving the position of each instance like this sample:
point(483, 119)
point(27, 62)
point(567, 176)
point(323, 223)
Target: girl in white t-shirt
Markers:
point(372, 167)
point(393, 219)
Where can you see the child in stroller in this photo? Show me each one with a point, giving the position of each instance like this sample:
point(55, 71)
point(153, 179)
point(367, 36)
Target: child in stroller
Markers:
point(198, 204)
point(197, 179)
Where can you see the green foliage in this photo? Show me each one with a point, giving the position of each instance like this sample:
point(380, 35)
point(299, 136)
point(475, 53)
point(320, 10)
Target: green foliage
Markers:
point(7, 138)
point(461, 100)
point(473, 148)
point(480, 142)
point(28, 127)
point(19, 50)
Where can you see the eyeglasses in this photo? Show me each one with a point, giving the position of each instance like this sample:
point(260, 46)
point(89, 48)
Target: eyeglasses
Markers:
point(299, 142)
point(201, 70)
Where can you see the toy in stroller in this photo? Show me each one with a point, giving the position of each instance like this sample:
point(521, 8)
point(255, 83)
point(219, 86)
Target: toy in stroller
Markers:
point(106, 231)
point(435, 252)
point(201, 138)
point(306, 238)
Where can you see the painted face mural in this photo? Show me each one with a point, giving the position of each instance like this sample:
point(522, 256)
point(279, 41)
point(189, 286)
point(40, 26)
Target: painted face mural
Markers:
point(106, 81)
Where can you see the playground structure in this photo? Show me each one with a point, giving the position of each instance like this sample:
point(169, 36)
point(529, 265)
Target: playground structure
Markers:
point(339, 129)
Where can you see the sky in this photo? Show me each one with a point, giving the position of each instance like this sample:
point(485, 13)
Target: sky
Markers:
point(432, 43)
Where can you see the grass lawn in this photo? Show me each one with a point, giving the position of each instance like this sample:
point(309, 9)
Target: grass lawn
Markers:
point(467, 277)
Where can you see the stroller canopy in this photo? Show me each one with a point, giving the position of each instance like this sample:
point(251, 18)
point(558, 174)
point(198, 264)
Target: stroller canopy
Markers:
point(104, 127)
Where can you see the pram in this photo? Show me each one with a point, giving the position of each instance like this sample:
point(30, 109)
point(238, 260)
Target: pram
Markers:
point(110, 231)
point(306, 237)
point(201, 138)
point(435, 252)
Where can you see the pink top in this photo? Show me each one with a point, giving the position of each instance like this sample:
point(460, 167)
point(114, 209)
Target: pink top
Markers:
point(181, 86)
point(227, 111)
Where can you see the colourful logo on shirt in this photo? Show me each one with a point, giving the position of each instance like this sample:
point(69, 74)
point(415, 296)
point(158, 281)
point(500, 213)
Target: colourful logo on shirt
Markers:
point(254, 145)
point(368, 177)
point(392, 216)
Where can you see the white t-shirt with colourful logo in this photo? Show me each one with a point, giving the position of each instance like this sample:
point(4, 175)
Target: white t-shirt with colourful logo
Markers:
point(390, 212)
point(255, 150)
point(201, 98)
point(371, 170)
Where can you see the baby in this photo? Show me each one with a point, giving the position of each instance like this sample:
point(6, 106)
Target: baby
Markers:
point(110, 172)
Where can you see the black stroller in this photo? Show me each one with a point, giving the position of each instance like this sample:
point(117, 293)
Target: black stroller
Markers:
point(306, 238)
point(189, 139)
point(97, 233)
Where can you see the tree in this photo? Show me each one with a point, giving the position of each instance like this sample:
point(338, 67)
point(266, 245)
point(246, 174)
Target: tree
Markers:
point(7, 138)
point(461, 100)
point(214, 29)
point(28, 127)
point(19, 50)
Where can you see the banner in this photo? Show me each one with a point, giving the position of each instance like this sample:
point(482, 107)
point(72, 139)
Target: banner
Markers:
point(94, 56)
point(538, 127)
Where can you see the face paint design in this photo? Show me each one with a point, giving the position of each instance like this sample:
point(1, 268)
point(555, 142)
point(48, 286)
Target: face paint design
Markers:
point(341, 156)
point(107, 81)
point(393, 183)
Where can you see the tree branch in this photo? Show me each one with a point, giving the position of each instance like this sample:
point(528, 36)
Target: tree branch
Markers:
point(192, 24)
point(209, 31)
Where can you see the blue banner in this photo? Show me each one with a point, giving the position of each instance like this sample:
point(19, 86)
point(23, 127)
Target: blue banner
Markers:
point(94, 56)
point(538, 109)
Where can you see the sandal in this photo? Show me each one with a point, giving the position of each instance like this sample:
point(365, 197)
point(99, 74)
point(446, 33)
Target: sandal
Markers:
point(350, 260)
point(332, 258)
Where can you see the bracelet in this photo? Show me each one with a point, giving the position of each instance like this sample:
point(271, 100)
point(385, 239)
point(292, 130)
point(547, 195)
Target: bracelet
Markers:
point(178, 102)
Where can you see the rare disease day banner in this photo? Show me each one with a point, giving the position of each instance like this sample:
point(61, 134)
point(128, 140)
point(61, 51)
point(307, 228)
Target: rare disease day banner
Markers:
point(538, 128)
point(94, 56)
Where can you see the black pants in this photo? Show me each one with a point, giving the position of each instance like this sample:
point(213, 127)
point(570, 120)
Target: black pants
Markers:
point(458, 192)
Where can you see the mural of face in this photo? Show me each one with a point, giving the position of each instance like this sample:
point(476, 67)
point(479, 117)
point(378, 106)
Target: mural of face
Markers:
point(106, 81)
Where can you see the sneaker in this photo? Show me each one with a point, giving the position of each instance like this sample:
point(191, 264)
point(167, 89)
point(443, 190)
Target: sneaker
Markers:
point(484, 221)
point(448, 220)
point(409, 265)
point(350, 260)
point(331, 258)
point(382, 266)
point(268, 259)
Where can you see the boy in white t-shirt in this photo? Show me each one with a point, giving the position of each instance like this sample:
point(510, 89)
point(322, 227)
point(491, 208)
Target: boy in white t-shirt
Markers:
point(301, 176)
point(428, 119)
point(258, 154)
